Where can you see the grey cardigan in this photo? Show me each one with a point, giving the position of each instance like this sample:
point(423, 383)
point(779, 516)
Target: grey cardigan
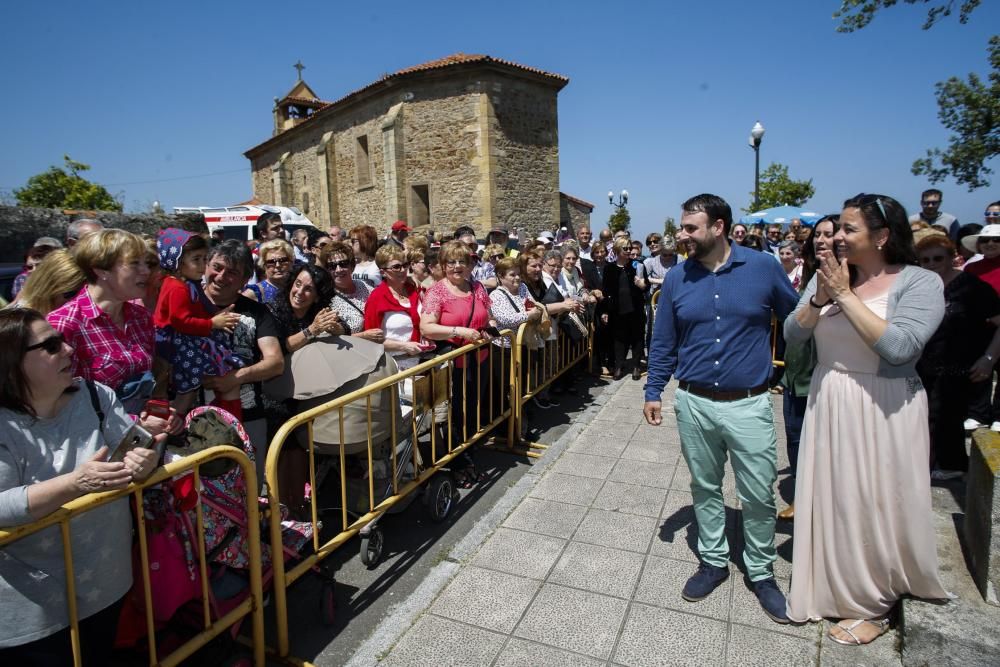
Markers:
point(914, 311)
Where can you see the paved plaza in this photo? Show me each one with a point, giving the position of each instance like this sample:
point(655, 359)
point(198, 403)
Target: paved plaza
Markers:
point(586, 565)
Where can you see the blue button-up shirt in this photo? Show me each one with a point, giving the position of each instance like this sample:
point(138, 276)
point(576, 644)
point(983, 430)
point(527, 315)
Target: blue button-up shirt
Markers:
point(714, 329)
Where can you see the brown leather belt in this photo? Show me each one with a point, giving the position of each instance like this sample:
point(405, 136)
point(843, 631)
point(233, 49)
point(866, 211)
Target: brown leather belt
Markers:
point(712, 394)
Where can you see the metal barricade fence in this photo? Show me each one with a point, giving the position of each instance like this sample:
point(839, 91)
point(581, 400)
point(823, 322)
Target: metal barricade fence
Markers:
point(252, 606)
point(391, 451)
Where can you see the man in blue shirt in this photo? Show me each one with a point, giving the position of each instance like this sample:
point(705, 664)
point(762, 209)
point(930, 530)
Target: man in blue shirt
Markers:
point(713, 332)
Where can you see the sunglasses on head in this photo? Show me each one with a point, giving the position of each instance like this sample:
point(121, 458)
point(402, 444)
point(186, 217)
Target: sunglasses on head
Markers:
point(53, 344)
point(342, 264)
point(873, 199)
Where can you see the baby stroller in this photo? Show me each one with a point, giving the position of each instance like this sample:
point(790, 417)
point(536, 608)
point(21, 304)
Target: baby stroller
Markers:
point(367, 419)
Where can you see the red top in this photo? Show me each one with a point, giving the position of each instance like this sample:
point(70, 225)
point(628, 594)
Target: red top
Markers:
point(453, 311)
point(175, 308)
point(382, 301)
point(987, 270)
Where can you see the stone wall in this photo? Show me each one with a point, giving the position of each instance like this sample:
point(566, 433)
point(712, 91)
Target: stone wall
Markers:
point(20, 226)
point(573, 215)
point(483, 143)
point(526, 143)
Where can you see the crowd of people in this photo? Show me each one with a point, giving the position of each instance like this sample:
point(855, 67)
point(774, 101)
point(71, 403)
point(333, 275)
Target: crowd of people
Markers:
point(886, 364)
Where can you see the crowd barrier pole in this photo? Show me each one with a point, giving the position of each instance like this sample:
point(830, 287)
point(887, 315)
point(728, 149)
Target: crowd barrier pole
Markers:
point(366, 429)
point(654, 300)
point(775, 361)
point(252, 606)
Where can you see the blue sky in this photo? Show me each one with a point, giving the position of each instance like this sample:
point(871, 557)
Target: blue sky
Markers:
point(661, 99)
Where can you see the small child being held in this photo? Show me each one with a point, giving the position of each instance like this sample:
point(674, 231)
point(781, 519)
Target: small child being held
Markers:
point(189, 337)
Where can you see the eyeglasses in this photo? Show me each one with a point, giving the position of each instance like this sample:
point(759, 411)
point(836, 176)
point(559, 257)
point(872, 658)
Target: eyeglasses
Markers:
point(552, 266)
point(397, 267)
point(342, 264)
point(928, 259)
point(456, 262)
point(988, 239)
point(991, 214)
point(53, 344)
point(277, 262)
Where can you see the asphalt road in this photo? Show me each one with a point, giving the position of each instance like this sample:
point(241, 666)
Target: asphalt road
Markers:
point(413, 545)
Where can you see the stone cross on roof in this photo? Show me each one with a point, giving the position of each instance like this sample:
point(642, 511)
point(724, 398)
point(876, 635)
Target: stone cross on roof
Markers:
point(299, 66)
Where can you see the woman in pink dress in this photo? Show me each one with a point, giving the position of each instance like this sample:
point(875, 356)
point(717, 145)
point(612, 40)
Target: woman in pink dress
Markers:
point(864, 533)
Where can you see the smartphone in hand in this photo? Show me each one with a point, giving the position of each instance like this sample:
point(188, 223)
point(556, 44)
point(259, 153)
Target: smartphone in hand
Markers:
point(134, 438)
point(493, 331)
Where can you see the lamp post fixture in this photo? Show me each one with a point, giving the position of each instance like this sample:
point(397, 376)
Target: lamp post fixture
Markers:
point(756, 134)
point(622, 199)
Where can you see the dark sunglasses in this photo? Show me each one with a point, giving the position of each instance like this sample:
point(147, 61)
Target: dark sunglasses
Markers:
point(342, 264)
point(991, 214)
point(277, 262)
point(53, 344)
point(928, 202)
point(494, 258)
point(398, 267)
point(988, 239)
point(933, 258)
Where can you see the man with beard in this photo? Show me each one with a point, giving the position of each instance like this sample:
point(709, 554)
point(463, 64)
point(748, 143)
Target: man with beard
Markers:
point(713, 332)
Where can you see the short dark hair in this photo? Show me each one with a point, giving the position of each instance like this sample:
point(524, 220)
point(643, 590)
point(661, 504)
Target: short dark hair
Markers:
point(462, 231)
point(15, 336)
point(264, 220)
point(235, 253)
point(996, 203)
point(714, 207)
point(970, 229)
point(884, 212)
point(314, 235)
point(931, 191)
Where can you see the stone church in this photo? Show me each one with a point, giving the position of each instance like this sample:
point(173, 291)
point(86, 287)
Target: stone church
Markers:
point(467, 139)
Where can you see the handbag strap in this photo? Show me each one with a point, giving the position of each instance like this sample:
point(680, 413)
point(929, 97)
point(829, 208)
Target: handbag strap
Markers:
point(96, 402)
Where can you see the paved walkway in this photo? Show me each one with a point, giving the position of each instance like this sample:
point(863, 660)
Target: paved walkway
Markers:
point(588, 568)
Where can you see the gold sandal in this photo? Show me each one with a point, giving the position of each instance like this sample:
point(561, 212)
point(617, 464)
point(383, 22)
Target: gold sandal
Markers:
point(881, 624)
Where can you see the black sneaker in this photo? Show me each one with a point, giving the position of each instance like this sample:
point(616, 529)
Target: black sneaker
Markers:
point(771, 599)
point(704, 581)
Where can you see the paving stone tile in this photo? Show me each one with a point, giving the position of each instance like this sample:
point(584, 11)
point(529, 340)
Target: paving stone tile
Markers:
point(746, 611)
point(521, 653)
point(598, 569)
point(783, 544)
point(598, 444)
point(488, 599)
point(678, 508)
point(641, 472)
point(520, 553)
point(653, 452)
point(655, 636)
point(546, 517)
point(753, 647)
point(438, 641)
point(663, 580)
point(621, 429)
point(616, 530)
point(584, 465)
point(677, 540)
point(566, 489)
point(630, 499)
point(572, 619)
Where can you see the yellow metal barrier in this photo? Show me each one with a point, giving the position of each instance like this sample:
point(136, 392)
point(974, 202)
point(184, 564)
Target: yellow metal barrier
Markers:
point(252, 606)
point(413, 447)
point(775, 361)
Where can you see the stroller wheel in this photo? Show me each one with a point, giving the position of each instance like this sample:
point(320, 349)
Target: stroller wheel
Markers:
point(371, 547)
point(328, 603)
point(440, 493)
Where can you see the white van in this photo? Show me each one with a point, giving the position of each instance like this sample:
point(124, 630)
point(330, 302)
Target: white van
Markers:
point(240, 222)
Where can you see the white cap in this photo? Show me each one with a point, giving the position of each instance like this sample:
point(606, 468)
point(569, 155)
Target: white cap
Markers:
point(989, 231)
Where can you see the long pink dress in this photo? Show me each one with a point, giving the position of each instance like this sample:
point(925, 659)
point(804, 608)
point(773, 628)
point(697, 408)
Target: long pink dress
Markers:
point(864, 533)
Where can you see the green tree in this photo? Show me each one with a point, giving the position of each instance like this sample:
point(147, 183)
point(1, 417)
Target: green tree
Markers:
point(619, 220)
point(670, 227)
point(65, 188)
point(969, 109)
point(856, 14)
point(778, 189)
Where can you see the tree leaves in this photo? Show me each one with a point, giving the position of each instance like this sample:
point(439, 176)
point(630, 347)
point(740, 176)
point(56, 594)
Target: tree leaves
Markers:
point(778, 189)
point(65, 188)
point(619, 220)
point(856, 14)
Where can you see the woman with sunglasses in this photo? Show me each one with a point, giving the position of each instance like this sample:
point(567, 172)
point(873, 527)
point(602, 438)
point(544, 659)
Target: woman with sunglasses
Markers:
point(864, 531)
point(55, 449)
point(394, 307)
point(351, 293)
point(738, 233)
point(961, 352)
point(275, 259)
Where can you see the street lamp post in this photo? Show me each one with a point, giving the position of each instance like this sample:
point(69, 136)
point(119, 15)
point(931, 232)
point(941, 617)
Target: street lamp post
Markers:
point(622, 199)
point(756, 134)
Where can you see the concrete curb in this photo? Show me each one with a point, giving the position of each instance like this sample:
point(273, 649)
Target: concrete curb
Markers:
point(405, 614)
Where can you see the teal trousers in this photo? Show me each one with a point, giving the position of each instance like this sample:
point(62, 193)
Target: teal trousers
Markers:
point(710, 431)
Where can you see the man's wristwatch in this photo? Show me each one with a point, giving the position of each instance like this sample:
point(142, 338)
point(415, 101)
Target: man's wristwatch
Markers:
point(307, 332)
